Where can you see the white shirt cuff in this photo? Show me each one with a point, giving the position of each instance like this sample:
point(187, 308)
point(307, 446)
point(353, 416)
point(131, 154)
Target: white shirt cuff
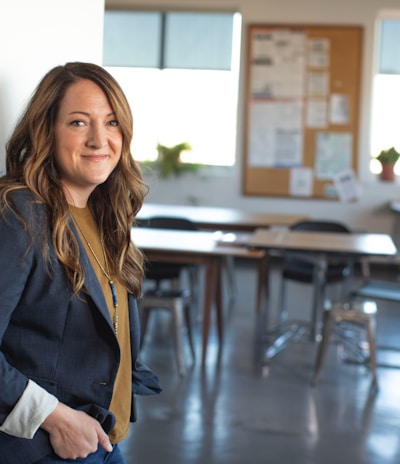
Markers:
point(29, 412)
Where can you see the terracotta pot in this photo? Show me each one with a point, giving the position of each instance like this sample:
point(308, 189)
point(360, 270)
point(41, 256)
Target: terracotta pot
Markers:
point(387, 173)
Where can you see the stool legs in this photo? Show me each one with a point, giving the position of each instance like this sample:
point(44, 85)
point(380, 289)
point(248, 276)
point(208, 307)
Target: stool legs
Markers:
point(179, 307)
point(358, 313)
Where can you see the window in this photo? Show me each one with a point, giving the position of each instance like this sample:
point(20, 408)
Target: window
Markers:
point(131, 39)
point(386, 87)
point(180, 73)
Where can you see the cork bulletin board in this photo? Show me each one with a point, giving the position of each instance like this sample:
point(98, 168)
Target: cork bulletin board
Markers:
point(302, 109)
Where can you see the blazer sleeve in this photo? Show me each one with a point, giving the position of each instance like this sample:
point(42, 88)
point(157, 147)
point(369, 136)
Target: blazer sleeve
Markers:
point(16, 262)
point(145, 382)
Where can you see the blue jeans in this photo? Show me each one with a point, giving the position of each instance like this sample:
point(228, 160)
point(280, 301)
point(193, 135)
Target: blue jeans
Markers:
point(99, 457)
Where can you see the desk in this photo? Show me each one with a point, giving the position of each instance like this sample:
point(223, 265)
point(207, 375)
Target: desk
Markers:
point(320, 247)
point(201, 248)
point(212, 218)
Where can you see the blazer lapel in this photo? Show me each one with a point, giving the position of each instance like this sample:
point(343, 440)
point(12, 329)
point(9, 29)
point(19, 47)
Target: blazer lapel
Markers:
point(92, 284)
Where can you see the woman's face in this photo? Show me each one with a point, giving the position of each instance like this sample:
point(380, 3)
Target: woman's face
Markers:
point(88, 140)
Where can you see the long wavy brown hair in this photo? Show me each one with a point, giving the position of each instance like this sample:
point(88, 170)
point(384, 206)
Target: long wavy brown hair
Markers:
point(114, 204)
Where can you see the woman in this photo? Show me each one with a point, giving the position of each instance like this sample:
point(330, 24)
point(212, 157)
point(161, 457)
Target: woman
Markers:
point(68, 317)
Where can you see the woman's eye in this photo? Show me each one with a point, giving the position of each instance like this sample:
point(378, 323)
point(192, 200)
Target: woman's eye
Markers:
point(77, 123)
point(114, 123)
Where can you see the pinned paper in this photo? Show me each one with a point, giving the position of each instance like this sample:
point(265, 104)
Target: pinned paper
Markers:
point(346, 186)
point(301, 182)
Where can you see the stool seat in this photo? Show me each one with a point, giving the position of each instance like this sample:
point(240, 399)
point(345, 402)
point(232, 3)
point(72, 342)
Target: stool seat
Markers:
point(362, 313)
point(178, 302)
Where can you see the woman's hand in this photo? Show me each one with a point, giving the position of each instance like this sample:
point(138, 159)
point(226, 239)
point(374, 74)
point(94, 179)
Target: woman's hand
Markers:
point(74, 434)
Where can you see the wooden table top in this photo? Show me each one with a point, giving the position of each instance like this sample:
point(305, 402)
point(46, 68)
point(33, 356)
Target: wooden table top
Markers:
point(187, 241)
point(216, 218)
point(366, 244)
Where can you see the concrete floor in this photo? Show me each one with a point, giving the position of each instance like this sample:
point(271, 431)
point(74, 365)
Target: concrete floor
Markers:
point(228, 412)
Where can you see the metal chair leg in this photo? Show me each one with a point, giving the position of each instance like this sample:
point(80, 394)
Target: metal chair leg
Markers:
point(323, 345)
point(188, 320)
point(177, 330)
point(372, 349)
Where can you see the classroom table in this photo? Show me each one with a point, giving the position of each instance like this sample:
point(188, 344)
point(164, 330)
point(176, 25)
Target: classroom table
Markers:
point(222, 219)
point(216, 218)
point(199, 248)
point(319, 248)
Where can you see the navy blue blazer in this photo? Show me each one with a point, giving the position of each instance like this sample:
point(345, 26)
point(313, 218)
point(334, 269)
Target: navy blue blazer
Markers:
point(64, 343)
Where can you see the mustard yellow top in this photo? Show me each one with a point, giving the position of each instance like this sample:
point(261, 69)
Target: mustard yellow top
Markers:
point(122, 395)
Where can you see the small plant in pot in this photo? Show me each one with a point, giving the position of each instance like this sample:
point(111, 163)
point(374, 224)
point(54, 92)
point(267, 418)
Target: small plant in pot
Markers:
point(388, 158)
point(169, 163)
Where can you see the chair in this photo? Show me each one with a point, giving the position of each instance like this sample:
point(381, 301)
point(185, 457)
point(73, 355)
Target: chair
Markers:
point(302, 271)
point(170, 296)
point(166, 271)
point(359, 313)
point(178, 303)
point(378, 289)
point(171, 272)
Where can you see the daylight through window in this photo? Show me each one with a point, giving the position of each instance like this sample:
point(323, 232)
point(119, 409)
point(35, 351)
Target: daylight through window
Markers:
point(188, 95)
point(385, 131)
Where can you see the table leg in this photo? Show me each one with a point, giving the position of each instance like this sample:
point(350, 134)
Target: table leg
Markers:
point(289, 330)
point(262, 282)
point(275, 337)
point(212, 295)
point(319, 277)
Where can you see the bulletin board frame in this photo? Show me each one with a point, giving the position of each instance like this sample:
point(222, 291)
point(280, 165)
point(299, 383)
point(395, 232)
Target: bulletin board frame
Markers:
point(302, 108)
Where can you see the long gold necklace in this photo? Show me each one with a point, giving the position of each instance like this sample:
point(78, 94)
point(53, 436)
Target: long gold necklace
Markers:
point(104, 271)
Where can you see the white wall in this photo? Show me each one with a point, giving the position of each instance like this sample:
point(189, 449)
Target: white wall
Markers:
point(371, 211)
point(36, 35)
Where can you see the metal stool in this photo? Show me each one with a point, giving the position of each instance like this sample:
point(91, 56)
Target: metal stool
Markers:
point(361, 313)
point(178, 302)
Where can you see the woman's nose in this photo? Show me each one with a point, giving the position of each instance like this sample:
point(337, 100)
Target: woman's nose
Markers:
point(97, 137)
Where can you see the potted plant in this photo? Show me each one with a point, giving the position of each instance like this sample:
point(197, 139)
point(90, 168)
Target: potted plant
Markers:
point(169, 161)
point(388, 159)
